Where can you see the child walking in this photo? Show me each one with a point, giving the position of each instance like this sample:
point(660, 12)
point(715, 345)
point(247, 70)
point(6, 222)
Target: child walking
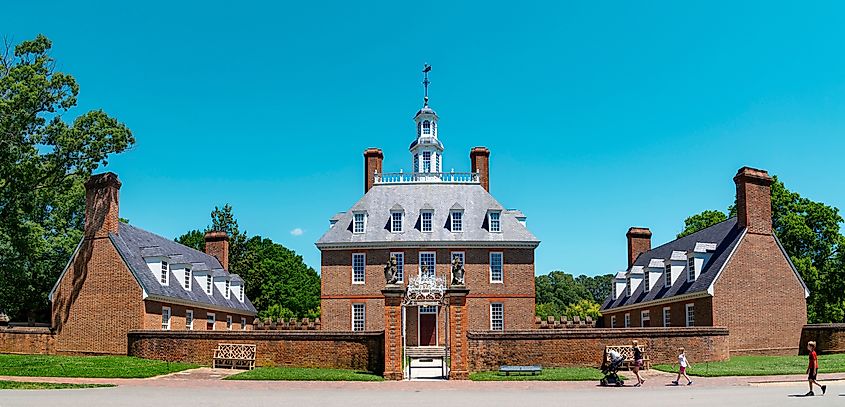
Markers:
point(813, 369)
point(682, 369)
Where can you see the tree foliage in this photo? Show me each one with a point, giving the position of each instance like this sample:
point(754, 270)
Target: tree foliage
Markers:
point(44, 161)
point(701, 221)
point(811, 234)
point(278, 282)
point(559, 293)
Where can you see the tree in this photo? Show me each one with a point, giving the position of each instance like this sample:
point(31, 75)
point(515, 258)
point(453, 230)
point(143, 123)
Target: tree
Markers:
point(599, 287)
point(701, 221)
point(559, 289)
point(43, 164)
point(583, 309)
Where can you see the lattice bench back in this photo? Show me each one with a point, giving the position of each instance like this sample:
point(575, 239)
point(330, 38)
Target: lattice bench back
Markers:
point(234, 355)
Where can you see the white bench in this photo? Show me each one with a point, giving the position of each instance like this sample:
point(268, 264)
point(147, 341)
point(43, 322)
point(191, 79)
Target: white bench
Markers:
point(234, 355)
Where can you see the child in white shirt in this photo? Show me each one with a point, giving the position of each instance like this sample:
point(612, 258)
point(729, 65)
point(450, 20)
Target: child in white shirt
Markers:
point(683, 363)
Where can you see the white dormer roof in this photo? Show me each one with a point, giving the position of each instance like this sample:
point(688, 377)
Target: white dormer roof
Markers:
point(636, 270)
point(704, 247)
point(656, 263)
point(678, 255)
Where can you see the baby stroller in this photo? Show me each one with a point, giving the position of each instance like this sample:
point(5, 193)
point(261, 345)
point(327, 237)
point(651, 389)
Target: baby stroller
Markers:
point(609, 367)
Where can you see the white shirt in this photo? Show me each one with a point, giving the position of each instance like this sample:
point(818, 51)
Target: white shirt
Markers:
point(682, 360)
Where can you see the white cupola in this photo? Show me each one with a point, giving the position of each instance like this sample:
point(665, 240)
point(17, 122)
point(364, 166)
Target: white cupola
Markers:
point(426, 149)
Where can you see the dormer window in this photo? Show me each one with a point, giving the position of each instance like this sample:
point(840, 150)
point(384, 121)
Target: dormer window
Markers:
point(188, 278)
point(495, 221)
point(646, 281)
point(208, 285)
point(243, 288)
point(228, 289)
point(426, 127)
point(667, 274)
point(628, 287)
point(165, 272)
point(691, 269)
point(396, 218)
point(426, 221)
point(359, 221)
point(457, 221)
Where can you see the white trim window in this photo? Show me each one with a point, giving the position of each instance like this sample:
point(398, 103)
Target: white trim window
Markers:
point(400, 265)
point(242, 291)
point(164, 273)
point(496, 267)
point(690, 311)
point(691, 269)
point(243, 324)
point(396, 221)
point(646, 281)
point(358, 316)
point(497, 316)
point(426, 221)
point(228, 322)
point(645, 319)
point(228, 289)
point(628, 286)
point(359, 222)
point(667, 274)
point(426, 159)
point(627, 320)
point(461, 256)
point(208, 285)
point(428, 259)
point(189, 319)
point(613, 321)
point(457, 221)
point(359, 266)
point(210, 321)
point(495, 221)
point(188, 278)
point(165, 318)
point(667, 317)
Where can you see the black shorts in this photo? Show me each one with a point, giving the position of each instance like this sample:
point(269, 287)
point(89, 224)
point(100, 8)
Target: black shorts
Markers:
point(812, 374)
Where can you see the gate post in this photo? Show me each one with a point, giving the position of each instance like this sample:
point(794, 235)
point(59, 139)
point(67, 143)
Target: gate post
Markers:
point(393, 294)
point(458, 324)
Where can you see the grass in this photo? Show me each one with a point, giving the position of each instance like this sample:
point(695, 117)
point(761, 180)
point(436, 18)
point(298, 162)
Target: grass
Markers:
point(86, 366)
point(305, 373)
point(761, 366)
point(549, 374)
point(8, 385)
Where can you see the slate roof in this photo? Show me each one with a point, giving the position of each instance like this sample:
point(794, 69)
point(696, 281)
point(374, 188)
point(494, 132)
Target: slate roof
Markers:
point(134, 244)
point(440, 197)
point(725, 235)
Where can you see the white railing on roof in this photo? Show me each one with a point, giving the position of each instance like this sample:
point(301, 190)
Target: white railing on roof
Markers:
point(412, 177)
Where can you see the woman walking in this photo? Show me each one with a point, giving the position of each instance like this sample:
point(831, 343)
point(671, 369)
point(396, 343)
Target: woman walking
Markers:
point(638, 362)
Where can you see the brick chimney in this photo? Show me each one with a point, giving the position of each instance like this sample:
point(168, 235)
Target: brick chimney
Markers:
point(479, 157)
point(372, 164)
point(754, 200)
point(639, 241)
point(102, 205)
point(217, 245)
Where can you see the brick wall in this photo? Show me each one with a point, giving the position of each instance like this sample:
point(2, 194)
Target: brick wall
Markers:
point(342, 350)
point(26, 340)
point(585, 347)
point(760, 300)
point(829, 338)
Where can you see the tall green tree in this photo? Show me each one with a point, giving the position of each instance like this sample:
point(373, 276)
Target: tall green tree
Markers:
point(701, 221)
point(599, 287)
point(44, 161)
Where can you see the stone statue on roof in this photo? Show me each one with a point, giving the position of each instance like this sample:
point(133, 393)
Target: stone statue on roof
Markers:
point(457, 271)
point(391, 273)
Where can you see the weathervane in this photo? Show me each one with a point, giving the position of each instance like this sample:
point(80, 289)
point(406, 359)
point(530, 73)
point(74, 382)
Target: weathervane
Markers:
point(426, 70)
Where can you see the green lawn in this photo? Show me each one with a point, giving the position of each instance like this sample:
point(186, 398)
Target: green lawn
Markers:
point(7, 385)
point(86, 366)
point(761, 366)
point(548, 374)
point(305, 373)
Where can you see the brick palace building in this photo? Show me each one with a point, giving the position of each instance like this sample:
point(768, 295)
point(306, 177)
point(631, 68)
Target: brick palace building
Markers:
point(425, 218)
point(734, 274)
point(123, 278)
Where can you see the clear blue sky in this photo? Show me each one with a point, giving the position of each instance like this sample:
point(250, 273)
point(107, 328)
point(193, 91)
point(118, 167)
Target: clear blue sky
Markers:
point(599, 116)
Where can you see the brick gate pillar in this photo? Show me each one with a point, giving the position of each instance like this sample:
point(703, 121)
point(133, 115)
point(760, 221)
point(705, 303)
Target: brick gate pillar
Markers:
point(393, 331)
point(458, 324)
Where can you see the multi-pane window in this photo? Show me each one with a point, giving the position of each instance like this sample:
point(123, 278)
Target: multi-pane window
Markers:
point(228, 288)
point(416, 163)
point(667, 317)
point(228, 322)
point(358, 317)
point(426, 127)
point(691, 269)
point(208, 284)
point(667, 274)
point(188, 278)
point(359, 263)
point(358, 222)
point(627, 320)
point(459, 256)
point(690, 314)
point(396, 221)
point(425, 221)
point(429, 260)
point(243, 324)
point(613, 321)
point(428, 309)
point(243, 289)
point(646, 281)
point(495, 222)
point(457, 221)
point(189, 320)
point(628, 287)
point(209, 322)
point(400, 265)
point(165, 269)
point(496, 274)
point(165, 318)
point(437, 163)
point(426, 161)
point(645, 319)
point(497, 316)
